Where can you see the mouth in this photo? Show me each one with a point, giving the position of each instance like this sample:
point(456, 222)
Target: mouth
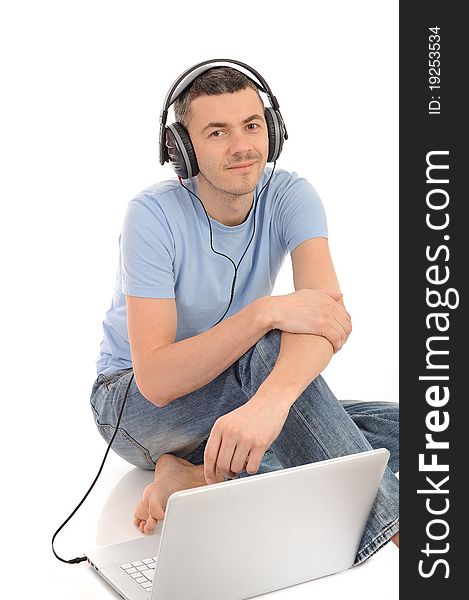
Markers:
point(242, 166)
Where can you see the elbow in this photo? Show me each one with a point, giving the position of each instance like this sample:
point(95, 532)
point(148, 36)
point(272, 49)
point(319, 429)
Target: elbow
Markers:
point(149, 392)
point(157, 400)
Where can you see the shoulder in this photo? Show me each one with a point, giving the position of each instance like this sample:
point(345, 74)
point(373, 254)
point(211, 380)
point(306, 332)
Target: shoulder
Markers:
point(287, 188)
point(157, 194)
point(160, 202)
point(147, 216)
point(282, 182)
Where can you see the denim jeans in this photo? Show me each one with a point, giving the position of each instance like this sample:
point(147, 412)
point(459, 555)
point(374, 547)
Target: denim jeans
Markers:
point(318, 427)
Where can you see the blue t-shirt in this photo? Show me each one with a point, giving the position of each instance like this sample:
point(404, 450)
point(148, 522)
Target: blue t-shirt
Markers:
point(165, 253)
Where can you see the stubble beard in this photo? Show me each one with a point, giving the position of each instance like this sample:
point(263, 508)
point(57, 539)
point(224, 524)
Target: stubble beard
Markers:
point(221, 185)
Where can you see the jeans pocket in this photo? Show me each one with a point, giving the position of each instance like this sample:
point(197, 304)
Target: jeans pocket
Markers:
point(110, 378)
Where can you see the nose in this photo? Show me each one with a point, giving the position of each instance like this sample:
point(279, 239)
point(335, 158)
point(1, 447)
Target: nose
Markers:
point(239, 141)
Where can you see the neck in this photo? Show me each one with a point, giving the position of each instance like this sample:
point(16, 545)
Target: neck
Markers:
point(228, 209)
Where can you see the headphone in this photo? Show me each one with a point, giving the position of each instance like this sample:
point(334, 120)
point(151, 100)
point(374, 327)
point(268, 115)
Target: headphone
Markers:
point(174, 140)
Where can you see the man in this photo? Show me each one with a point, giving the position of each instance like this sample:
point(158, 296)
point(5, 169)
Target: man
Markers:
point(222, 379)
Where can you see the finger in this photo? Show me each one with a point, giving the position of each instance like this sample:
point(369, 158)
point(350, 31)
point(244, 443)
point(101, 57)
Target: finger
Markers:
point(345, 323)
point(240, 458)
point(210, 456)
point(225, 456)
point(254, 462)
point(344, 312)
point(334, 335)
point(333, 294)
point(347, 331)
point(343, 327)
point(340, 312)
point(337, 330)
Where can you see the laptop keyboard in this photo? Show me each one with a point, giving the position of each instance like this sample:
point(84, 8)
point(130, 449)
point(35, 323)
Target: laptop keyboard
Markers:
point(141, 571)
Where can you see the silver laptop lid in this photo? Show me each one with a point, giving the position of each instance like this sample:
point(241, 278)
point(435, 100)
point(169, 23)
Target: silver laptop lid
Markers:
point(246, 537)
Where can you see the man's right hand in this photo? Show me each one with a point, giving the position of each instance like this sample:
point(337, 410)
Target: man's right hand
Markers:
point(316, 312)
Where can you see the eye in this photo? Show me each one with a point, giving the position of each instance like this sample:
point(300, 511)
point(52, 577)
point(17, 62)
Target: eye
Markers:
point(217, 133)
point(253, 126)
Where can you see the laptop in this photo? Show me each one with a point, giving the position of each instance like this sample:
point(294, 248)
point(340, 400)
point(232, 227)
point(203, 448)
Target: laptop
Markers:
point(245, 537)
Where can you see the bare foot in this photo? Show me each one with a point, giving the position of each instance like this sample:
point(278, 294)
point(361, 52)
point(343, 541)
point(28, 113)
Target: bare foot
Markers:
point(171, 475)
point(395, 539)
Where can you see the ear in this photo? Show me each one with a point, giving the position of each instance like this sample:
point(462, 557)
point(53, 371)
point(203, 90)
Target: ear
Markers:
point(181, 153)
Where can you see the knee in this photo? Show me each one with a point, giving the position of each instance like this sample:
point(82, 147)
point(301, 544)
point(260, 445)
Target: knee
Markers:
point(257, 363)
point(389, 410)
point(269, 347)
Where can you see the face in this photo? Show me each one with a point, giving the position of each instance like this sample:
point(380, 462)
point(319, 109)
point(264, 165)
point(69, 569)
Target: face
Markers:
point(230, 139)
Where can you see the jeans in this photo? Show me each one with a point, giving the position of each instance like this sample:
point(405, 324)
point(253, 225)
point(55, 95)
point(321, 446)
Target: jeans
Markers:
point(318, 427)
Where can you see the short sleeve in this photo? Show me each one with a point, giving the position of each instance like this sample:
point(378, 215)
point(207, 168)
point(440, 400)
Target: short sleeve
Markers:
point(147, 251)
point(301, 212)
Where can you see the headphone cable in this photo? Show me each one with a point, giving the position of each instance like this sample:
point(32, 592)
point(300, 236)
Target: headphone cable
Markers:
point(236, 267)
point(80, 559)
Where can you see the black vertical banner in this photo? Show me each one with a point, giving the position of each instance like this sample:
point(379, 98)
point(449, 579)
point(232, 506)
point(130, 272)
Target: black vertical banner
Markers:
point(434, 330)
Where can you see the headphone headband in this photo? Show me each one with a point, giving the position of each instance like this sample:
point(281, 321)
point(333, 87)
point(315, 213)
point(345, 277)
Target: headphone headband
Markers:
point(186, 78)
point(189, 75)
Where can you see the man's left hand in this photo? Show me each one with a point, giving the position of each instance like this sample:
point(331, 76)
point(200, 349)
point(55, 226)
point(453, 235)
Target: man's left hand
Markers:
point(239, 439)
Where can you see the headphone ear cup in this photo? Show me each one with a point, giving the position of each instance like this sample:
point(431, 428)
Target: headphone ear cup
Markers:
point(276, 132)
point(180, 151)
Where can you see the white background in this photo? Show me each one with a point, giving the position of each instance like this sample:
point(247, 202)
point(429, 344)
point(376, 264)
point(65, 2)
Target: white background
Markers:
point(83, 83)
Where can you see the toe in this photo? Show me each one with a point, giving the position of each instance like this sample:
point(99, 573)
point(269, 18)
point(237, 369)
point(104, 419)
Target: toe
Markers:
point(156, 510)
point(149, 525)
point(141, 510)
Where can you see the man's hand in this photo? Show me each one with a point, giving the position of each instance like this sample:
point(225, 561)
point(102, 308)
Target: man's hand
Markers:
point(315, 312)
point(239, 439)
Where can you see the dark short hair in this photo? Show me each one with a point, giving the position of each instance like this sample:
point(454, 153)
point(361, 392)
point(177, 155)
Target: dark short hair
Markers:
point(216, 81)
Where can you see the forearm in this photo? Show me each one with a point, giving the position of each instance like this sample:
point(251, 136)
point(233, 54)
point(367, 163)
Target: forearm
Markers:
point(301, 359)
point(171, 371)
